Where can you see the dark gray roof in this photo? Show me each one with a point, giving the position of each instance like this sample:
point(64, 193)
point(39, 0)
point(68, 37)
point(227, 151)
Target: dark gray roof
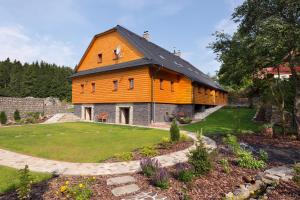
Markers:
point(135, 63)
point(155, 54)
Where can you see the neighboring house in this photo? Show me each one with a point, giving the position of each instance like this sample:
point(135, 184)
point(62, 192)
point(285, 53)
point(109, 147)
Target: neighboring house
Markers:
point(281, 72)
point(137, 82)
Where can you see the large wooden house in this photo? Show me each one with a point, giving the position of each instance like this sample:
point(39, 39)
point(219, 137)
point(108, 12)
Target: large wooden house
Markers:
point(131, 80)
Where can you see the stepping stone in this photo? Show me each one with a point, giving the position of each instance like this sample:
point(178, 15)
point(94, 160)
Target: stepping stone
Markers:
point(120, 180)
point(146, 196)
point(127, 189)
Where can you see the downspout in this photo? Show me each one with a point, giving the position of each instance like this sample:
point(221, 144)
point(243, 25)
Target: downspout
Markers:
point(152, 93)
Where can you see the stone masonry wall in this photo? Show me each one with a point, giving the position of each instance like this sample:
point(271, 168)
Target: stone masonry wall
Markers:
point(48, 106)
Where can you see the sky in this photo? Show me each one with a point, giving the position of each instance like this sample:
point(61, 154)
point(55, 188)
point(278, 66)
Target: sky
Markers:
point(59, 31)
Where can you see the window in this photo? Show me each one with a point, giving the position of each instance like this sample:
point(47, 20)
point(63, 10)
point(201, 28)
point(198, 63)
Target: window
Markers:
point(199, 89)
point(172, 86)
point(161, 84)
point(100, 58)
point(93, 87)
point(131, 83)
point(115, 85)
point(206, 91)
point(82, 88)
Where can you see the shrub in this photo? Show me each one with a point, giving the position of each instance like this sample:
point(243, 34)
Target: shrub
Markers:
point(35, 115)
point(263, 155)
point(81, 191)
point(17, 116)
point(200, 160)
point(149, 166)
point(296, 177)
point(232, 142)
point(174, 132)
point(225, 164)
point(148, 151)
point(3, 117)
point(246, 160)
point(165, 142)
point(24, 187)
point(184, 172)
point(185, 120)
point(161, 178)
point(184, 137)
point(125, 156)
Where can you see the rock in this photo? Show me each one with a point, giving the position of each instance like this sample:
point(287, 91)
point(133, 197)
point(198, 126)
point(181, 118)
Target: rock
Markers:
point(120, 180)
point(123, 190)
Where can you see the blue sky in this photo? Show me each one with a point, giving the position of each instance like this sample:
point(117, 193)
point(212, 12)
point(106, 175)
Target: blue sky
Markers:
point(59, 31)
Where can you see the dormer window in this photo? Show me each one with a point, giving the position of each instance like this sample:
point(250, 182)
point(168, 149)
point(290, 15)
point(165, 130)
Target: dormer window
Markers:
point(100, 58)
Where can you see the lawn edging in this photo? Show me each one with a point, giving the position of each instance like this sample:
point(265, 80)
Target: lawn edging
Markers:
point(18, 161)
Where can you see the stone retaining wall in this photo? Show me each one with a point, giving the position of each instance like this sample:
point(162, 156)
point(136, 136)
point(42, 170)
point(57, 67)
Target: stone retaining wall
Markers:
point(48, 106)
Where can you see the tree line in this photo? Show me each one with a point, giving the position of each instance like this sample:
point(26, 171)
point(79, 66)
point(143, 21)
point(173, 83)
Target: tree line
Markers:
point(268, 35)
point(38, 79)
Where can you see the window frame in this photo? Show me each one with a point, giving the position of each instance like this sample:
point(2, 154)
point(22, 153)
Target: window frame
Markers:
point(131, 83)
point(82, 88)
point(161, 84)
point(93, 84)
point(100, 58)
point(116, 85)
point(172, 86)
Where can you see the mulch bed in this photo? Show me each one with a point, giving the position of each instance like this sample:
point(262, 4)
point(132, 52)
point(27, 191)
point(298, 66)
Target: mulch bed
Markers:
point(285, 190)
point(179, 146)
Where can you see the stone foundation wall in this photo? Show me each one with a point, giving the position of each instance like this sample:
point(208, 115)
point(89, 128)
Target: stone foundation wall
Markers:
point(161, 110)
point(142, 113)
point(48, 106)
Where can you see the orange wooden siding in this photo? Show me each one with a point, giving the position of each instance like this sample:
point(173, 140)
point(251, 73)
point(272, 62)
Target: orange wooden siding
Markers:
point(106, 44)
point(182, 89)
point(104, 87)
point(203, 95)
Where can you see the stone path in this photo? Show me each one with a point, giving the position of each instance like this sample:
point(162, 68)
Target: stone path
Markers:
point(202, 115)
point(18, 161)
point(146, 196)
point(62, 117)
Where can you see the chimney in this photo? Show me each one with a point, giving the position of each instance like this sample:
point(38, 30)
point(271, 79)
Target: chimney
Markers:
point(146, 35)
point(177, 53)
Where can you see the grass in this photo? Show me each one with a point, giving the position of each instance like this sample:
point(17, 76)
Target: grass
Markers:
point(226, 120)
point(77, 142)
point(9, 178)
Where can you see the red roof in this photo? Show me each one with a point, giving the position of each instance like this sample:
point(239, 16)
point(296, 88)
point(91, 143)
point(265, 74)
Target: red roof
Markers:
point(282, 70)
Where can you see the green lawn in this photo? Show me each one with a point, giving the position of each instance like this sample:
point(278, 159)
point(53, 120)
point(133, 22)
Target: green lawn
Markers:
point(77, 142)
point(9, 178)
point(226, 120)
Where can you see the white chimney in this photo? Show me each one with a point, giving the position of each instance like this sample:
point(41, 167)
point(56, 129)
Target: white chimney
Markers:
point(146, 35)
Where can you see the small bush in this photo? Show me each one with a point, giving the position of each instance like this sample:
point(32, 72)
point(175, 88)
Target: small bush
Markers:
point(165, 142)
point(184, 138)
point(296, 177)
point(17, 116)
point(3, 117)
point(24, 187)
point(148, 151)
point(225, 164)
point(263, 155)
point(161, 178)
point(200, 160)
point(232, 142)
point(185, 120)
point(246, 160)
point(184, 172)
point(35, 115)
point(149, 166)
point(125, 156)
point(174, 132)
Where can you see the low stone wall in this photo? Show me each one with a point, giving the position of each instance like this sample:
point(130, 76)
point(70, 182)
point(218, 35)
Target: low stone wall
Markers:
point(48, 106)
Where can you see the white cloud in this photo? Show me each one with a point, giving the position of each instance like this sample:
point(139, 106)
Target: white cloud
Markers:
point(17, 44)
point(234, 3)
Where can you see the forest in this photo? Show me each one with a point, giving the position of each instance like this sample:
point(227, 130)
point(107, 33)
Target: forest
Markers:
point(38, 79)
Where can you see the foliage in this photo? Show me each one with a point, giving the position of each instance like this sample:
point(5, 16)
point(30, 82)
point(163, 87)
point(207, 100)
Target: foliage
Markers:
point(174, 132)
point(124, 156)
point(161, 178)
point(296, 177)
point(268, 125)
point(3, 117)
point(35, 80)
point(246, 160)
point(200, 160)
point(80, 191)
point(223, 121)
point(184, 137)
point(24, 188)
point(225, 164)
point(263, 155)
point(185, 120)
point(184, 172)
point(165, 142)
point(17, 116)
point(149, 166)
point(148, 151)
